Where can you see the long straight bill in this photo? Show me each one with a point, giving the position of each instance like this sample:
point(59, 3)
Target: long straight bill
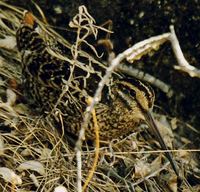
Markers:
point(152, 125)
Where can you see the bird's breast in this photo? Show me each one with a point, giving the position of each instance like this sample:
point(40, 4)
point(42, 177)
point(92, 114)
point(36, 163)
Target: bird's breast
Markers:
point(113, 121)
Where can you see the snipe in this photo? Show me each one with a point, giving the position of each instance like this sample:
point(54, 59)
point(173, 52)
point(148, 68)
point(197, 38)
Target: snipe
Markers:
point(125, 102)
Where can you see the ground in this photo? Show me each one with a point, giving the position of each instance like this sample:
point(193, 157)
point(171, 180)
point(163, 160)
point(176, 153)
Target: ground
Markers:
point(132, 22)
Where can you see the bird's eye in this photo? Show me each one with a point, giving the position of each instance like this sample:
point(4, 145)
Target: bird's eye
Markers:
point(132, 92)
point(127, 90)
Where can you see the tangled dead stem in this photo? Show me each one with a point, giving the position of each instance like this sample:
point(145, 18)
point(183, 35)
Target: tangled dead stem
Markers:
point(36, 157)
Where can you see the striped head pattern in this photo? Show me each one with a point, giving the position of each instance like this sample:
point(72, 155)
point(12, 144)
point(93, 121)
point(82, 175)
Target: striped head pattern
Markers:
point(135, 94)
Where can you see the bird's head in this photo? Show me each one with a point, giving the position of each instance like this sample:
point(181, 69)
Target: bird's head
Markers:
point(139, 99)
point(135, 95)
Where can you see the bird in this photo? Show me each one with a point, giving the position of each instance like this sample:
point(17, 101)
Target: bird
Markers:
point(125, 102)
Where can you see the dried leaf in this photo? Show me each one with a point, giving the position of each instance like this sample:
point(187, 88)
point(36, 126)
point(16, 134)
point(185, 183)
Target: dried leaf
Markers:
point(1, 145)
point(35, 180)
point(188, 159)
point(26, 152)
point(45, 153)
point(60, 189)
point(32, 165)
point(172, 182)
point(10, 176)
point(165, 130)
point(9, 42)
point(1, 61)
point(174, 123)
point(11, 97)
point(142, 169)
point(155, 164)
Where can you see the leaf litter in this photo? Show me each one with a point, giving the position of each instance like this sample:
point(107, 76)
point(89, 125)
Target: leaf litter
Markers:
point(35, 157)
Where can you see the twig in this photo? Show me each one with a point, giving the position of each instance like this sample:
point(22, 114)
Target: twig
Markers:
point(82, 21)
point(146, 77)
point(183, 64)
point(115, 62)
point(96, 128)
point(146, 46)
point(79, 167)
point(40, 12)
point(153, 151)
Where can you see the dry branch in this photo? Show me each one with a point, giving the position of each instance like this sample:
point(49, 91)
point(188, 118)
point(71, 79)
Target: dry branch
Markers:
point(183, 63)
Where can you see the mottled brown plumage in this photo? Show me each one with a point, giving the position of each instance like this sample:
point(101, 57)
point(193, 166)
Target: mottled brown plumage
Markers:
point(124, 104)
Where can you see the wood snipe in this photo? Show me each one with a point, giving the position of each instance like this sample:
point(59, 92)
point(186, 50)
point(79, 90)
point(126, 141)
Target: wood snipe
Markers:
point(125, 101)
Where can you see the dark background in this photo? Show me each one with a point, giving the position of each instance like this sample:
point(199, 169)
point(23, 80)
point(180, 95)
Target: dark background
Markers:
point(136, 20)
